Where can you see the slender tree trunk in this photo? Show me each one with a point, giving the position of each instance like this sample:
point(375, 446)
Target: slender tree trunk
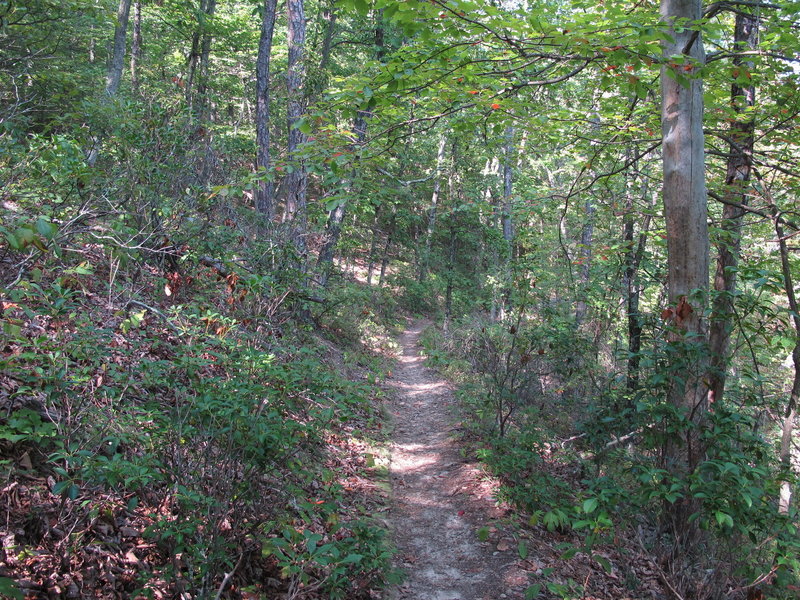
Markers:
point(373, 247)
point(387, 249)
point(685, 209)
point(329, 14)
point(205, 56)
point(297, 181)
point(118, 56)
point(633, 258)
point(506, 215)
point(587, 235)
point(737, 176)
point(424, 262)
point(336, 216)
point(790, 414)
point(136, 46)
point(265, 204)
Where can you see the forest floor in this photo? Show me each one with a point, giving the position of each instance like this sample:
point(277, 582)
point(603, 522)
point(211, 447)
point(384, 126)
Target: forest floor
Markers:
point(444, 513)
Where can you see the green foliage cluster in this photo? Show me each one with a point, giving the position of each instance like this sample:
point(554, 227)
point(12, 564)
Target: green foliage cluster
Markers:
point(207, 417)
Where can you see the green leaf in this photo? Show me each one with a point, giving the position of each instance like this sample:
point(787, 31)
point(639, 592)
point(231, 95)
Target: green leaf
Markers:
point(483, 534)
point(46, 228)
point(304, 126)
point(589, 505)
point(522, 549)
point(533, 591)
point(9, 589)
point(603, 562)
point(352, 559)
point(332, 205)
point(723, 518)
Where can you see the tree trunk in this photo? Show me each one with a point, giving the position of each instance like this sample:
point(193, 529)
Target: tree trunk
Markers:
point(506, 215)
point(373, 247)
point(297, 180)
point(737, 176)
point(587, 235)
point(136, 46)
point(336, 217)
point(424, 262)
point(265, 205)
point(451, 265)
point(114, 75)
point(387, 246)
point(790, 414)
point(685, 210)
point(329, 14)
point(633, 258)
point(205, 55)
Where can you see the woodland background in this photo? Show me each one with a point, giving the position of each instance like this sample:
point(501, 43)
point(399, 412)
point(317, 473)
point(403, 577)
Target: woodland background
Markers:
point(215, 214)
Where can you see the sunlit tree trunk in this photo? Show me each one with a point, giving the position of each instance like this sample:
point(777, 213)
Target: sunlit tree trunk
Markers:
point(790, 413)
point(424, 262)
point(114, 75)
point(587, 235)
point(136, 46)
point(506, 214)
point(265, 205)
point(336, 216)
point(685, 209)
point(198, 56)
point(737, 179)
point(387, 247)
point(373, 247)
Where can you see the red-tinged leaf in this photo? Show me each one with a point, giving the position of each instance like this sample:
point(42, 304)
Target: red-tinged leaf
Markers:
point(495, 106)
point(461, 513)
point(666, 314)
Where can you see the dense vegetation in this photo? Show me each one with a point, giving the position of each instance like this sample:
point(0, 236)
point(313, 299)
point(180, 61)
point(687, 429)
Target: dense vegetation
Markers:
point(216, 212)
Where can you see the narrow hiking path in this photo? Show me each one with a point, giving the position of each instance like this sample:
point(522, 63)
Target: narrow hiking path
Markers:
point(440, 498)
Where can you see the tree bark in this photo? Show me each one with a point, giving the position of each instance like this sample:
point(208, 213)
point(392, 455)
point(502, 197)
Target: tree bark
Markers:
point(205, 55)
point(685, 209)
point(737, 179)
point(336, 217)
point(587, 235)
point(265, 204)
point(506, 215)
point(114, 75)
point(424, 263)
point(633, 258)
point(329, 14)
point(136, 46)
point(297, 180)
point(790, 414)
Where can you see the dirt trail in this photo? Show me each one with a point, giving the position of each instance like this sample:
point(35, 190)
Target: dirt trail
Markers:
point(440, 498)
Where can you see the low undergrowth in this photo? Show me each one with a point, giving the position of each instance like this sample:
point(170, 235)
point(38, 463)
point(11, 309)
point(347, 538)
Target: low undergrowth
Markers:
point(579, 461)
point(178, 433)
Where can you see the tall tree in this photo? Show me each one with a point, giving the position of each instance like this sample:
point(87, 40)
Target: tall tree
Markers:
point(737, 178)
point(117, 62)
point(265, 205)
point(136, 45)
point(685, 209)
point(297, 180)
point(506, 214)
point(424, 263)
point(336, 216)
